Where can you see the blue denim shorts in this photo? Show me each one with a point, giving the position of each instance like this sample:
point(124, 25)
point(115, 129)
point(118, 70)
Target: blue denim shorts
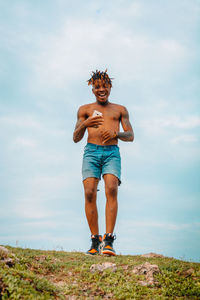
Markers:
point(99, 160)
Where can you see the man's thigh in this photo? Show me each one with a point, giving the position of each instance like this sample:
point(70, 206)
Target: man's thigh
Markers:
point(91, 165)
point(111, 182)
point(90, 184)
point(112, 165)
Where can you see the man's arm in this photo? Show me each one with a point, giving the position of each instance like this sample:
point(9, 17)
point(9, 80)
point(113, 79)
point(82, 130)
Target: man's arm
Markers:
point(83, 122)
point(127, 135)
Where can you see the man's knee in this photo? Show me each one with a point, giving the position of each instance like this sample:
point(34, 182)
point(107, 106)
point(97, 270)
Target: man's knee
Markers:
point(111, 189)
point(90, 194)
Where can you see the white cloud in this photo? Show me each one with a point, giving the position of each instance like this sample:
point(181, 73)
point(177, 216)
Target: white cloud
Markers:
point(22, 121)
point(31, 208)
point(49, 183)
point(187, 122)
point(150, 193)
point(59, 219)
point(70, 55)
point(173, 48)
point(185, 138)
point(162, 225)
point(156, 126)
point(44, 241)
point(24, 142)
point(123, 10)
point(25, 121)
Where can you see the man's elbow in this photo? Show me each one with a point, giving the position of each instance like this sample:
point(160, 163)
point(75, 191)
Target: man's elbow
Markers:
point(75, 139)
point(132, 137)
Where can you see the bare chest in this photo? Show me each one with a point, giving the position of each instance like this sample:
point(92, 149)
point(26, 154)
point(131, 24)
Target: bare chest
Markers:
point(110, 114)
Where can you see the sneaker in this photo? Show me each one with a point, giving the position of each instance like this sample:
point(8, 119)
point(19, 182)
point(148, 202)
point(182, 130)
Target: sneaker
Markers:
point(108, 240)
point(95, 247)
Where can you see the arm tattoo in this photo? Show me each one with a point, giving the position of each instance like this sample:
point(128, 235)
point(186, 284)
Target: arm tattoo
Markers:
point(126, 136)
point(126, 122)
point(79, 131)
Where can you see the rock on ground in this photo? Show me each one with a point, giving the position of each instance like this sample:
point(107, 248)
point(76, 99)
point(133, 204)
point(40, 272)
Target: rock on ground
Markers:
point(3, 252)
point(148, 270)
point(102, 267)
point(186, 273)
point(151, 254)
point(4, 256)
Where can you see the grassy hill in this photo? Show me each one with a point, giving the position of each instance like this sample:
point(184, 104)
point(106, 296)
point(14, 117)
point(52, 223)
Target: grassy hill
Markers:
point(35, 274)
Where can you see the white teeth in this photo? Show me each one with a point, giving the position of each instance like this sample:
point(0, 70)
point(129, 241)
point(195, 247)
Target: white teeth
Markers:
point(102, 95)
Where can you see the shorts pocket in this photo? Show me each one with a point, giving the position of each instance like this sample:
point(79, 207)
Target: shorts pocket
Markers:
point(89, 149)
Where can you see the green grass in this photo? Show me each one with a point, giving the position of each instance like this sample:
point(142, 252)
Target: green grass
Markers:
point(41, 275)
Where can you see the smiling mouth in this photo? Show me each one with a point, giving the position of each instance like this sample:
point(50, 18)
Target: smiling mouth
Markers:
point(102, 95)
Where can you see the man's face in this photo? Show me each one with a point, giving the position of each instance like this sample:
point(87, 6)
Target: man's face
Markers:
point(101, 91)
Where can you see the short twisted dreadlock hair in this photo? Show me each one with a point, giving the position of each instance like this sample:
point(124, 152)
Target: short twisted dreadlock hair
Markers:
point(98, 75)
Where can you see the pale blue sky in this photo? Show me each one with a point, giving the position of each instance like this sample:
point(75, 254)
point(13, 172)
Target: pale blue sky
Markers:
point(47, 52)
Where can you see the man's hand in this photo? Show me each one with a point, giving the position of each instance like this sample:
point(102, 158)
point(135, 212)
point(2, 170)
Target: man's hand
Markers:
point(108, 135)
point(83, 123)
point(94, 121)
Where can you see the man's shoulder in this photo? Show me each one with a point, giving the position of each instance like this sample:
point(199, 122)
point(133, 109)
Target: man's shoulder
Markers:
point(85, 108)
point(118, 106)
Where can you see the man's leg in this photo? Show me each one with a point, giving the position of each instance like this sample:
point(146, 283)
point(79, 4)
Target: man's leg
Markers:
point(90, 188)
point(111, 189)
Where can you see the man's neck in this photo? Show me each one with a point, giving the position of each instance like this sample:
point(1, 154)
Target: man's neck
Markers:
point(102, 103)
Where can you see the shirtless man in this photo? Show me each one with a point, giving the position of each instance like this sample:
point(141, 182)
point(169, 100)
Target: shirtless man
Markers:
point(101, 156)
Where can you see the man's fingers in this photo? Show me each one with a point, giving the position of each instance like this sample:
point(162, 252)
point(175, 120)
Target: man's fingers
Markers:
point(96, 123)
point(97, 118)
point(105, 134)
point(105, 140)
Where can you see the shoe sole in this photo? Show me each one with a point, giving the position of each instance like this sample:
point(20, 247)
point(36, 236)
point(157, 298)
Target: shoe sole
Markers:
point(109, 253)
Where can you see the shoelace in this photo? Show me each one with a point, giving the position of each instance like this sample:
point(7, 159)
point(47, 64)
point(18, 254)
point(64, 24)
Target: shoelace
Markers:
point(109, 239)
point(95, 243)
